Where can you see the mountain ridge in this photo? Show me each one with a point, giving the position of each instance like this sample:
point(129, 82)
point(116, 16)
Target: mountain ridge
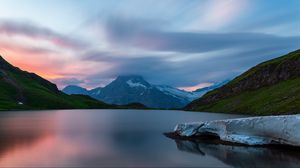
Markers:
point(22, 90)
point(271, 87)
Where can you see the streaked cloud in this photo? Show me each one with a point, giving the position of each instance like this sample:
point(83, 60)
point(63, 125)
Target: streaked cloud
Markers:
point(218, 14)
point(198, 86)
point(142, 34)
point(30, 30)
point(67, 81)
point(180, 43)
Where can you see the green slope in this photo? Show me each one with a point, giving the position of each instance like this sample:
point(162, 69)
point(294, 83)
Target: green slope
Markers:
point(272, 87)
point(36, 93)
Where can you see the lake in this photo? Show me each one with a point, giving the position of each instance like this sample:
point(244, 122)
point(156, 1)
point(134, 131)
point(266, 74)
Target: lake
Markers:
point(120, 138)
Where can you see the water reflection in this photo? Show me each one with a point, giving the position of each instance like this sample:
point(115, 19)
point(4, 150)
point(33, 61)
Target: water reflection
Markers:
point(242, 156)
point(55, 139)
point(17, 135)
point(107, 138)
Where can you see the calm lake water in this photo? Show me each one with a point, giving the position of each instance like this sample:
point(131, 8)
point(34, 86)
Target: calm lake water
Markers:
point(120, 138)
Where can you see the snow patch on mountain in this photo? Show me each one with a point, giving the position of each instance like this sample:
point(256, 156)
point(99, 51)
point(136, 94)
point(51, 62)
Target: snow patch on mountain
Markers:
point(97, 92)
point(135, 84)
point(190, 96)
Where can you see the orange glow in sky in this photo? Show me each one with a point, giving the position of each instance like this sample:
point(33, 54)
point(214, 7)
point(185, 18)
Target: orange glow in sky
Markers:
point(193, 88)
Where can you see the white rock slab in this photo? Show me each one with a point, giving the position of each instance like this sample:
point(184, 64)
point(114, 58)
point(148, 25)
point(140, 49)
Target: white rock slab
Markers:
point(250, 131)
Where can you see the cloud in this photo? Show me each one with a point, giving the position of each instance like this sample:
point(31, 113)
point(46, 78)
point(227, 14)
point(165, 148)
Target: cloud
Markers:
point(34, 31)
point(198, 86)
point(141, 34)
point(270, 19)
point(218, 14)
point(178, 43)
point(184, 58)
point(167, 57)
point(41, 50)
point(38, 59)
point(61, 82)
point(26, 50)
point(215, 67)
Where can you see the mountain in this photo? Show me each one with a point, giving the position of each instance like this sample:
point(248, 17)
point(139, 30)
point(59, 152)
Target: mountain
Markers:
point(94, 92)
point(72, 89)
point(135, 89)
point(272, 87)
point(24, 90)
point(182, 95)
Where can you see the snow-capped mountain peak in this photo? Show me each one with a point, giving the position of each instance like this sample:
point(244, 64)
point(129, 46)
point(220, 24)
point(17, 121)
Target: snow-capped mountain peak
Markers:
point(134, 88)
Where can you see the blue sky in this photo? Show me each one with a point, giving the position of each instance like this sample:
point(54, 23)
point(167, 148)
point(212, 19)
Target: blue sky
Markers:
point(182, 43)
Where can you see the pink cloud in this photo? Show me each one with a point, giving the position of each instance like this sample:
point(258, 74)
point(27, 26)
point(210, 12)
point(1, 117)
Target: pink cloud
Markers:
point(198, 86)
point(43, 61)
point(41, 33)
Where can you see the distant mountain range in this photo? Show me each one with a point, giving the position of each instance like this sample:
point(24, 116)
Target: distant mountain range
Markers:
point(133, 88)
point(272, 87)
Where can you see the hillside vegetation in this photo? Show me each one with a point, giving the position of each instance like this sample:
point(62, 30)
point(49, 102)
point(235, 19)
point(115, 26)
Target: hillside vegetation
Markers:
point(272, 87)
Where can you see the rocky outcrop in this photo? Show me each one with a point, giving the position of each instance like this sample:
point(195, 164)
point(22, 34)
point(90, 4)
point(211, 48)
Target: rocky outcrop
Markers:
point(268, 130)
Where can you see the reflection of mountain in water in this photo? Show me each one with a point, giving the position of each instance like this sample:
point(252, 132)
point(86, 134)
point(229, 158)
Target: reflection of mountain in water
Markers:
point(243, 156)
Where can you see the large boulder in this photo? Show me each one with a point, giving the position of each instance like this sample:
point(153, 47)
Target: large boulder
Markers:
point(283, 130)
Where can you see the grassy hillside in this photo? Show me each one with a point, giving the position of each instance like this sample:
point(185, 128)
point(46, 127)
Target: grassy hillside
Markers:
point(272, 87)
point(23, 90)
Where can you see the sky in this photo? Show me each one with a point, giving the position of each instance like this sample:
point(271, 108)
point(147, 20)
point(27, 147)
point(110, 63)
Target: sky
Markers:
point(183, 43)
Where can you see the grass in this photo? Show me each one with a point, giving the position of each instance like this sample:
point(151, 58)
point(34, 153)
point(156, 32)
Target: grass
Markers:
point(282, 98)
point(275, 61)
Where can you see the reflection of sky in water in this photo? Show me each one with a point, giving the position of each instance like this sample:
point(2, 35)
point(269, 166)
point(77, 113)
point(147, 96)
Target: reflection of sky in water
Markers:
point(104, 138)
